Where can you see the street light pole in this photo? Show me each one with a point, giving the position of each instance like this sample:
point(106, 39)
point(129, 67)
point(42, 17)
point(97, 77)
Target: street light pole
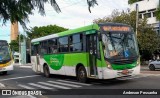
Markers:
point(137, 18)
point(159, 20)
point(19, 49)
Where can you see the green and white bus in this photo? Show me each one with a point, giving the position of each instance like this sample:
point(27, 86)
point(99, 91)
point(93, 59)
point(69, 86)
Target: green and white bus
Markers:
point(6, 58)
point(99, 51)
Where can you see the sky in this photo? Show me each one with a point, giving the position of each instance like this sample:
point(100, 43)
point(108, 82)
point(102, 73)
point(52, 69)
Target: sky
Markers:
point(74, 14)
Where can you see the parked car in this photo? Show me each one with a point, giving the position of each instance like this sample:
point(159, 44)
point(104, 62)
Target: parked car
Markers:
point(154, 65)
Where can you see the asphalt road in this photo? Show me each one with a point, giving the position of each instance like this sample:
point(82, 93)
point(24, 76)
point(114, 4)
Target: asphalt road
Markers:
point(61, 86)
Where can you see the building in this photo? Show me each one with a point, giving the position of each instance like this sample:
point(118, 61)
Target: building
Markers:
point(14, 31)
point(16, 57)
point(147, 8)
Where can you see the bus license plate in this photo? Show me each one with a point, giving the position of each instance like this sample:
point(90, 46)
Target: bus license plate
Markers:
point(125, 72)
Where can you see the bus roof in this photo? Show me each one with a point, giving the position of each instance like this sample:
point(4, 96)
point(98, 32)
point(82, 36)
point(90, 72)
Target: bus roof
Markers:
point(68, 32)
point(3, 41)
point(81, 29)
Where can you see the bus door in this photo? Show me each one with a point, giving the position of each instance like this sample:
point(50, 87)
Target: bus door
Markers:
point(92, 46)
point(36, 58)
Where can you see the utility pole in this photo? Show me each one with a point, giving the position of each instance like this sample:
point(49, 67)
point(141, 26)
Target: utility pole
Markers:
point(137, 17)
point(19, 48)
point(159, 20)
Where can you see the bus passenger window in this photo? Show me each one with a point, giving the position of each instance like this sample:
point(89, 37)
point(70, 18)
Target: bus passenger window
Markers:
point(76, 43)
point(43, 49)
point(63, 44)
point(52, 44)
point(35, 49)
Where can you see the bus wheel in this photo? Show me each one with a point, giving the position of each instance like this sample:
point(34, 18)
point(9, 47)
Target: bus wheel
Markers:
point(82, 74)
point(4, 72)
point(46, 71)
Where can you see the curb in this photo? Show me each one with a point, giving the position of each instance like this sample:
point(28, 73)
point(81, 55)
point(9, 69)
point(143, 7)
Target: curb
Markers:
point(16, 64)
point(25, 66)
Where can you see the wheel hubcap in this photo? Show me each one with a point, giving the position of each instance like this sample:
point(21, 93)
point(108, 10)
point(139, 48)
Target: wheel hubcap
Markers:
point(82, 74)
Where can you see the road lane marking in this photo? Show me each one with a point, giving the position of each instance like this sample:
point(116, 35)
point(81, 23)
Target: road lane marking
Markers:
point(66, 84)
point(57, 86)
point(19, 77)
point(146, 74)
point(26, 87)
point(2, 85)
point(31, 96)
point(23, 96)
point(74, 82)
point(40, 86)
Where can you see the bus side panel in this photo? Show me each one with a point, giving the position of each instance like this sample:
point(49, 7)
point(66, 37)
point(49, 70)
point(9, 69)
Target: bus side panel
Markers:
point(60, 71)
point(35, 65)
point(102, 63)
point(55, 63)
point(72, 60)
point(7, 66)
point(99, 69)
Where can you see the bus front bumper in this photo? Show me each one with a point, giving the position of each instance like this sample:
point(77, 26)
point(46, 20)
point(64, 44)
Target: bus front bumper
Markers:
point(111, 74)
point(7, 68)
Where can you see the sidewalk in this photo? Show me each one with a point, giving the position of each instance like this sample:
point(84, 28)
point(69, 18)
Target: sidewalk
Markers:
point(144, 67)
point(28, 65)
point(17, 64)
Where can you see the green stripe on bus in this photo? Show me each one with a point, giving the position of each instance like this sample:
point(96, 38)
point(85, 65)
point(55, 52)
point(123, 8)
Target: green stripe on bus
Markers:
point(35, 43)
point(86, 28)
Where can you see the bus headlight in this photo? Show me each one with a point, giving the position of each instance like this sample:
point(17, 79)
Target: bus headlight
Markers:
point(108, 65)
point(9, 63)
point(138, 62)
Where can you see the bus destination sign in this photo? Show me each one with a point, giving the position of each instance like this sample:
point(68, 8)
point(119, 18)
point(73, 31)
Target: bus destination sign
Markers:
point(116, 28)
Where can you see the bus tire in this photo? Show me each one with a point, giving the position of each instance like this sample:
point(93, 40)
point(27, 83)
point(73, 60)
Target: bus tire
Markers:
point(82, 74)
point(46, 71)
point(4, 72)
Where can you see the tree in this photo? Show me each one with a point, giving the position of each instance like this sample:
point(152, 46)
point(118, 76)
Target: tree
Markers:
point(14, 44)
point(44, 30)
point(120, 17)
point(148, 40)
point(132, 1)
point(35, 33)
point(158, 12)
point(19, 10)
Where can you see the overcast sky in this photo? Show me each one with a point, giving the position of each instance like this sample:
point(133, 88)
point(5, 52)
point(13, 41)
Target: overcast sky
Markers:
point(74, 14)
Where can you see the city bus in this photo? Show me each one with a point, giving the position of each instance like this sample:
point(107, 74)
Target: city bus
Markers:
point(97, 51)
point(6, 58)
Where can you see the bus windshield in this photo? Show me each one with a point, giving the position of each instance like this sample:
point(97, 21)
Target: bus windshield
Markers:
point(119, 45)
point(4, 53)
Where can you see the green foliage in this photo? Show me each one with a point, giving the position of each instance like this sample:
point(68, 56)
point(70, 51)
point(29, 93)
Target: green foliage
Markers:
point(148, 40)
point(119, 17)
point(19, 10)
point(158, 14)
point(34, 33)
point(14, 45)
point(44, 30)
point(132, 1)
